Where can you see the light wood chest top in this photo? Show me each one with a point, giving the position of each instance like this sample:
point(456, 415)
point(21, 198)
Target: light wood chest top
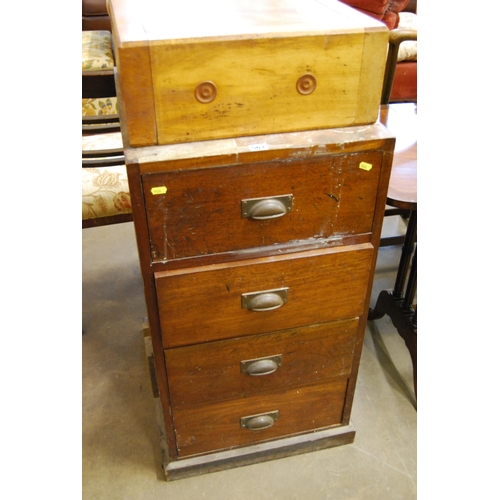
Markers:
point(191, 70)
point(143, 21)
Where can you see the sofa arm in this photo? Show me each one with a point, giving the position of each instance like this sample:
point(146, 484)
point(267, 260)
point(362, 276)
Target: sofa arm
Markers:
point(386, 11)
point(396, 37)
point(95, 15)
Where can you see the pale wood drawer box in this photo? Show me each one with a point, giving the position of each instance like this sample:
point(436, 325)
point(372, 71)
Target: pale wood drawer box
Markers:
point(207, 70)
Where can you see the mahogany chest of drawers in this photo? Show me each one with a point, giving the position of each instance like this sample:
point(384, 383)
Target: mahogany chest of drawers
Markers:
point(257, 255)
point(258, 175)
point(192, 71)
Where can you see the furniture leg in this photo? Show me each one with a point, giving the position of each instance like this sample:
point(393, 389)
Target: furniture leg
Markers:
point(399, 307)
point(406, 252)
point(404, 322)
point(411, 287)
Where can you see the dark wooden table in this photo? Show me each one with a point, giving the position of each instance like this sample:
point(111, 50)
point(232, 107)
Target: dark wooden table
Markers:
point(400, 304)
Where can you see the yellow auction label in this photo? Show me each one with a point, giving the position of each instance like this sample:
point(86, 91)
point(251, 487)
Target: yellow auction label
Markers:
point(159, 190)
point(365, 166)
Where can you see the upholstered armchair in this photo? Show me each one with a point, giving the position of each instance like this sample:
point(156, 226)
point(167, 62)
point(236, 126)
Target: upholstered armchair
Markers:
point(400, 16)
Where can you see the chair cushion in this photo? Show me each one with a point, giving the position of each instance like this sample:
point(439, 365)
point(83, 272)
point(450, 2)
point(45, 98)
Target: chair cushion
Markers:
point(101, 142)
point(408, 48)
point(105, 192)
point(97, 53)
point(99, 107)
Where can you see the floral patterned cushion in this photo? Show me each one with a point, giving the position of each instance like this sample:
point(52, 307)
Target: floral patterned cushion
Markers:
point(97, 53)
point(100, 106)
point(105, 192)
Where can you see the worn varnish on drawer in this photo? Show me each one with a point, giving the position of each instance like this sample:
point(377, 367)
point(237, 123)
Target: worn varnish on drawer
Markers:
point(202, 304)
point(191, 71)
point(220, 209)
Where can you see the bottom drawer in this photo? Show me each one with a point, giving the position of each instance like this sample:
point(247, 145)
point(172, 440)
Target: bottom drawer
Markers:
point(239, 422)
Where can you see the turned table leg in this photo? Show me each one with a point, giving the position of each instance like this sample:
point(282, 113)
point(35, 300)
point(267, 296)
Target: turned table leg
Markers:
point(398, 305)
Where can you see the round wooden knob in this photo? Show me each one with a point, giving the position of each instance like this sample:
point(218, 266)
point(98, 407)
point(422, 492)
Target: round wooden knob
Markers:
point(306, 84)
point(205, 92)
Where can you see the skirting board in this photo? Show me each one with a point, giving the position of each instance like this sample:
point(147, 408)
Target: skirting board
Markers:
point(259, 453)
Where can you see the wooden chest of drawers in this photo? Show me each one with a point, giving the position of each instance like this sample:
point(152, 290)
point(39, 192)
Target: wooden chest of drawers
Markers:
point(192, 71)
point(258, 255)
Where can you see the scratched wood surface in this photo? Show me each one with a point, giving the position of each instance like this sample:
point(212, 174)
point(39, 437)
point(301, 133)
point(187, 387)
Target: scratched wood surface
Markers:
point(199, 212)
point(217, 426)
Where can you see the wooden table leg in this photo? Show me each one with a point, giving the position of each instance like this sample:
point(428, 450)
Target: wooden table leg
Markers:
point(398, 305)
point(404, 322)
point(406, 253)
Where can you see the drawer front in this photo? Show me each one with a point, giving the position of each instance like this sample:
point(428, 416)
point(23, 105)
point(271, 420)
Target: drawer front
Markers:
point(265, 86)
point(254, 365)
point(213, 210)
point(223, 301)
point(224, 425)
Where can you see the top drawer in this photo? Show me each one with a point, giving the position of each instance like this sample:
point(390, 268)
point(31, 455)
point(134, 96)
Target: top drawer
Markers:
point(226, 68)
point(222, 209)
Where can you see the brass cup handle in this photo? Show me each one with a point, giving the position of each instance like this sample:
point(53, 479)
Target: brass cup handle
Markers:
point(262, 422)
point(261, 366)
point(266, 208)
point(266, 300)
point(258, 422)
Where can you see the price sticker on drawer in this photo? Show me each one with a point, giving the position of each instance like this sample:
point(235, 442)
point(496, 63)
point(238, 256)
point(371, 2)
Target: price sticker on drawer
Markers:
point(159, 190)
point(365, 166)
